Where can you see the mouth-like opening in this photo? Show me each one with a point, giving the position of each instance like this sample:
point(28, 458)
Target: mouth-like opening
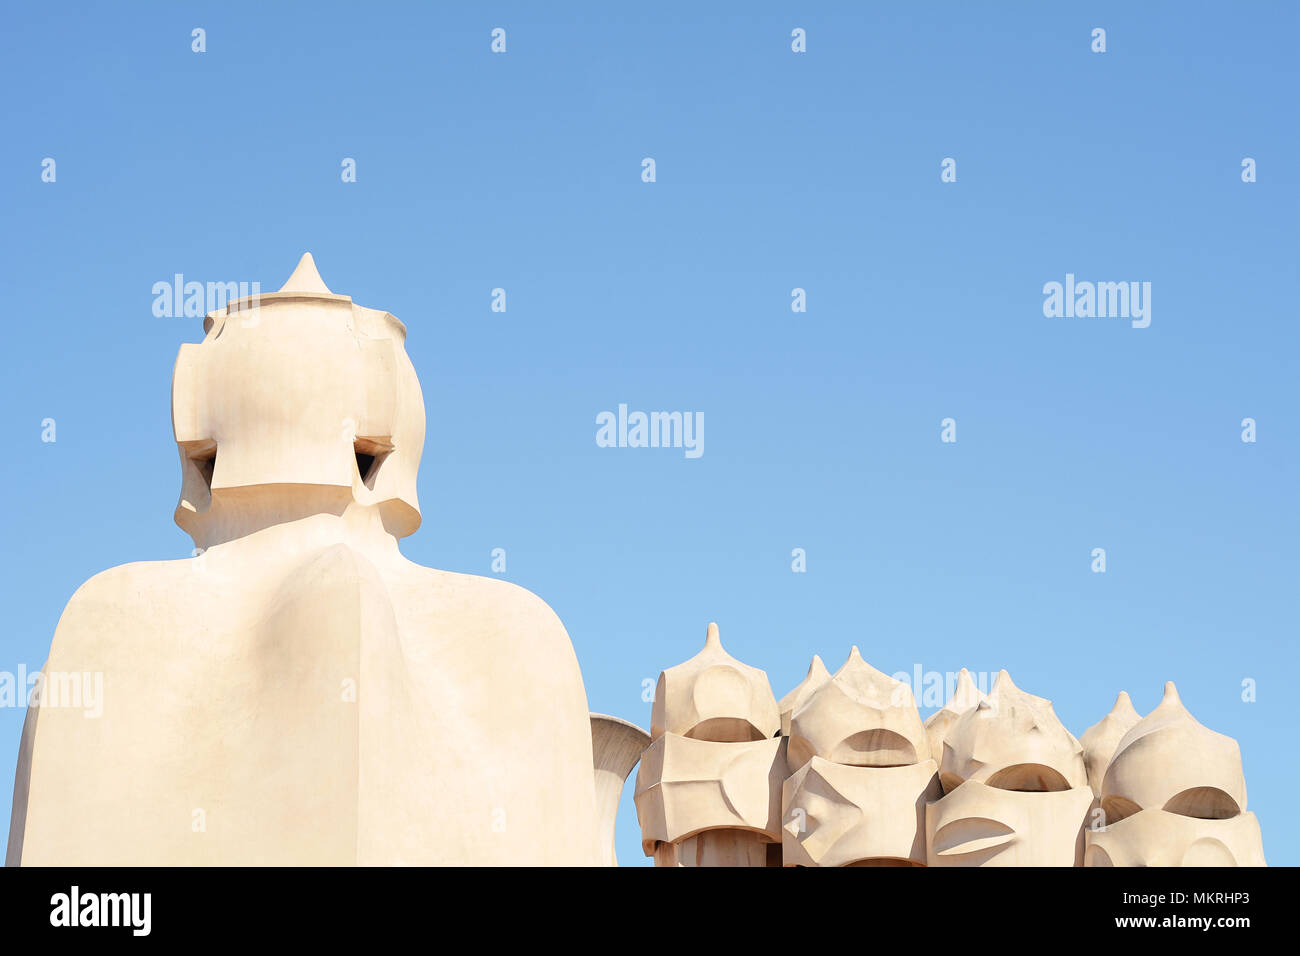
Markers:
point(371, 454)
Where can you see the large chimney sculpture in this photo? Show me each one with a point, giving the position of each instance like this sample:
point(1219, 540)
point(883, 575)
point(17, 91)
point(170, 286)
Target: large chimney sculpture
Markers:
point(299, 692)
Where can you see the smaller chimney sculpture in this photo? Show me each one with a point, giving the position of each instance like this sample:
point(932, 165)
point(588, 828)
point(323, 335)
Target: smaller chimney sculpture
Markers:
point(1174, 794)
point(862, 773)
point(1015, 787)
point(708, 792)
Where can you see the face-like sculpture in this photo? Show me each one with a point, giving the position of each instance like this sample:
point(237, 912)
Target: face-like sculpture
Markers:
point(709, 789)
point(296, 403)
point(1174, 794)
point(1163, 838)
point(861, 717)
point(686, 787)
point(1170, 761)
point(861, 770)
point(1015, 788)
point(834, 815)
point(714, 697)
point(979, 825)
point(1012, 740)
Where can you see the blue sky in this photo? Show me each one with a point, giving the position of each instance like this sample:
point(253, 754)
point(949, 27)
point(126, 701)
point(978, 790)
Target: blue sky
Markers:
point(774, 170)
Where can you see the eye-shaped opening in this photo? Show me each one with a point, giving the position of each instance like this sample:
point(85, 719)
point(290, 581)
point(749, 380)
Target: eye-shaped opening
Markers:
point(203, 455)
point(726, 730)
point(1029, 778)
point(875, 748)
point(1204, 803)
point(371, 454)
point(1115, 809)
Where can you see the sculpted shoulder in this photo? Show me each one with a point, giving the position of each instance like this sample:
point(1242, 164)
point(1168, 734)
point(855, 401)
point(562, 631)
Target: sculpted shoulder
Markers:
point(508, 709)
point(501, 614)
point(130, 603)
point(136, 587)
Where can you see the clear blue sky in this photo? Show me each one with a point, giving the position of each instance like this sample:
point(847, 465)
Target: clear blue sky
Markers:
point(774, 171)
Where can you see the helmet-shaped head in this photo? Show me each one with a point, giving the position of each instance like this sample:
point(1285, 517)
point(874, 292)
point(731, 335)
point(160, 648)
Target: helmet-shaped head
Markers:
point(297, 402)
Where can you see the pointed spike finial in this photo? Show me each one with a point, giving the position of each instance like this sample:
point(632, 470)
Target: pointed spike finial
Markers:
point(965, 694)
point(1123, 704)
point(305, 278)
point(712, 638)
point(1171, 695)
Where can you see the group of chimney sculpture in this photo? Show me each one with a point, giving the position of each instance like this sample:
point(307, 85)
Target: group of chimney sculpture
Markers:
point(842, 772)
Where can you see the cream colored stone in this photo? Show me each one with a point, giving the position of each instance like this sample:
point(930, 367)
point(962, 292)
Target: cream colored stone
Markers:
point(301, 693)
point(709, 789)
point(273, 408)
point(729, 848)
point(715, 697)
point(616, 746)
point(1100, 740)
point(836, 815)
point(787, 705)
point(1169, 761)
point(964, 696)
point(981, 825)
point(1161, 838)
point(1014, 741)
point(861, 717)
point(1020, 791)
point(686, 786)
point(1174, 795)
